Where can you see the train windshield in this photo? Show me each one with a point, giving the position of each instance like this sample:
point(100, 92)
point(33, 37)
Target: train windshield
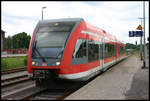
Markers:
point(51, 38)
point(53, 34)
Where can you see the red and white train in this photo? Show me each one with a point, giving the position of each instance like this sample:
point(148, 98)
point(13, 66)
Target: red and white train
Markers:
point(71, 49)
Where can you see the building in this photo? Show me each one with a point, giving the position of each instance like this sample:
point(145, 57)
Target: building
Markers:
point(2, 39)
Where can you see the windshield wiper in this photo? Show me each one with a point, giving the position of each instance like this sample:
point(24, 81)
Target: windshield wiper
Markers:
point(56, 57)
point(60, 53)
point(38, 52)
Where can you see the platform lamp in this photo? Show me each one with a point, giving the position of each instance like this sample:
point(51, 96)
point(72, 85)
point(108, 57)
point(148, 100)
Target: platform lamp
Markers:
point(42, 11)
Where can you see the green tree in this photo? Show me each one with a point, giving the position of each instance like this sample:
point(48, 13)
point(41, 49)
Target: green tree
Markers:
point(147, 44)
point(21, 40)
point(7, 42)
point(130, 46)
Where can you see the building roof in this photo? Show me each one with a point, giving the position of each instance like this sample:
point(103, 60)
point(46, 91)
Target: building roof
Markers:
point(2, 31)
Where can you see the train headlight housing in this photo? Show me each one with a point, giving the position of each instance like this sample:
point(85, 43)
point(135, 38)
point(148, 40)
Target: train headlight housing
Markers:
point(33, 62)
point(57, 63)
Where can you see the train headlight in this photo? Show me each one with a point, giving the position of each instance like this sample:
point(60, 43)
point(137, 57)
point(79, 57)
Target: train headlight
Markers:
point(57, 63)
point(33, 62)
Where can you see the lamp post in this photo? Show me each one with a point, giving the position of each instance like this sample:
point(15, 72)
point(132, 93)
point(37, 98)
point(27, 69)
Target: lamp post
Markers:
point(141, 41)
point(42, 11)
point(12, 45)
point(144, 35)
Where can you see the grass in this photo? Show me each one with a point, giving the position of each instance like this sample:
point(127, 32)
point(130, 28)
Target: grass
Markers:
point(13, 62)
point(137, 53)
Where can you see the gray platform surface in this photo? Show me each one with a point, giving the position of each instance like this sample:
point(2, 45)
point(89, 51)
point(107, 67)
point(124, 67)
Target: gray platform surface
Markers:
point(126, 80)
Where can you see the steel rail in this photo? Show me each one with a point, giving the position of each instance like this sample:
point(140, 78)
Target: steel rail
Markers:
point(32, 92)
point(15, 80)
point(22, 93)
point(13, 70)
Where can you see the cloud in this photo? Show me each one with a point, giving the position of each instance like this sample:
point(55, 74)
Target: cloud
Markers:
point(116, 18)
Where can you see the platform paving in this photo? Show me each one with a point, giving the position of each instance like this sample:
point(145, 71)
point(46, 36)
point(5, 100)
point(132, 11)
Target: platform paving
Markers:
point(125, 80)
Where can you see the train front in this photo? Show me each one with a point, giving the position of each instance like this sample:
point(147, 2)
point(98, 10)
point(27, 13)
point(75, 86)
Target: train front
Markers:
point(46, 48)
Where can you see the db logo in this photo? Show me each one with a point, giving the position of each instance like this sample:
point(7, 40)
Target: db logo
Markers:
point(44, 64)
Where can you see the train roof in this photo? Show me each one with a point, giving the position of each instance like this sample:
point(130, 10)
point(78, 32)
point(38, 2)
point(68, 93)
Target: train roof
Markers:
point(110, 36)
point(104, 33)
point(62, 20)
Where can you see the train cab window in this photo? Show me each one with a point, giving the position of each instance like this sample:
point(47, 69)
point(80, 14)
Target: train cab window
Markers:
point(51, 38)
point(53, 34)
point(79, 55)
point(93, 51)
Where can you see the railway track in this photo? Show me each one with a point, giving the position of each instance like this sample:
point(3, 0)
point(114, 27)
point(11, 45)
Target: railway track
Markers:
point(31, 92)
point(14, 80)
point(14, 76)
point(22, 93)
point(13, 70)
point(58, 92)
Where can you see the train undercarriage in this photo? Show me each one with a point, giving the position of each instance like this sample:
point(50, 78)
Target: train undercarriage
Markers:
point(45, 78)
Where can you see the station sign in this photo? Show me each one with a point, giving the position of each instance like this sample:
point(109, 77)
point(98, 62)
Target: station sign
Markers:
point(135, 33)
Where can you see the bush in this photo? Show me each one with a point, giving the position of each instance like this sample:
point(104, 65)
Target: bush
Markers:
point(13, 62)
point(25, 60)
point(4, 63)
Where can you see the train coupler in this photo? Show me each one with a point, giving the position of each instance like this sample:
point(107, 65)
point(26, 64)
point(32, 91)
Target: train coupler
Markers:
point(43, 74)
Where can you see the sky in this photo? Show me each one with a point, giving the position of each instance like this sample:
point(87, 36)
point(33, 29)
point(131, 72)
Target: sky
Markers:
point(116, 18)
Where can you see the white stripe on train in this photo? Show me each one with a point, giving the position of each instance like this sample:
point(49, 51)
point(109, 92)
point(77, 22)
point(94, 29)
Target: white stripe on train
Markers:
point(89, 73)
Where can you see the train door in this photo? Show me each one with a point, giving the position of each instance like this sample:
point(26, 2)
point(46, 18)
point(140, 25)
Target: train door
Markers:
point(115, 51)
point(101, 52)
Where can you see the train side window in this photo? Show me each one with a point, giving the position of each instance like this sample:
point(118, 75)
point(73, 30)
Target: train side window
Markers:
point(109, 50)
point(93, 51)
point(101, 50)
point(114, 50)
point(79, 55)
point(121, 50)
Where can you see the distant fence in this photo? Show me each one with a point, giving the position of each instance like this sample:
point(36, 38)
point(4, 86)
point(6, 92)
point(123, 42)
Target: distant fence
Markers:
point(16, 51)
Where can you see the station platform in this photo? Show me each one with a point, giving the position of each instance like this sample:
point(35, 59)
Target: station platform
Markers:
point(125, 80)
